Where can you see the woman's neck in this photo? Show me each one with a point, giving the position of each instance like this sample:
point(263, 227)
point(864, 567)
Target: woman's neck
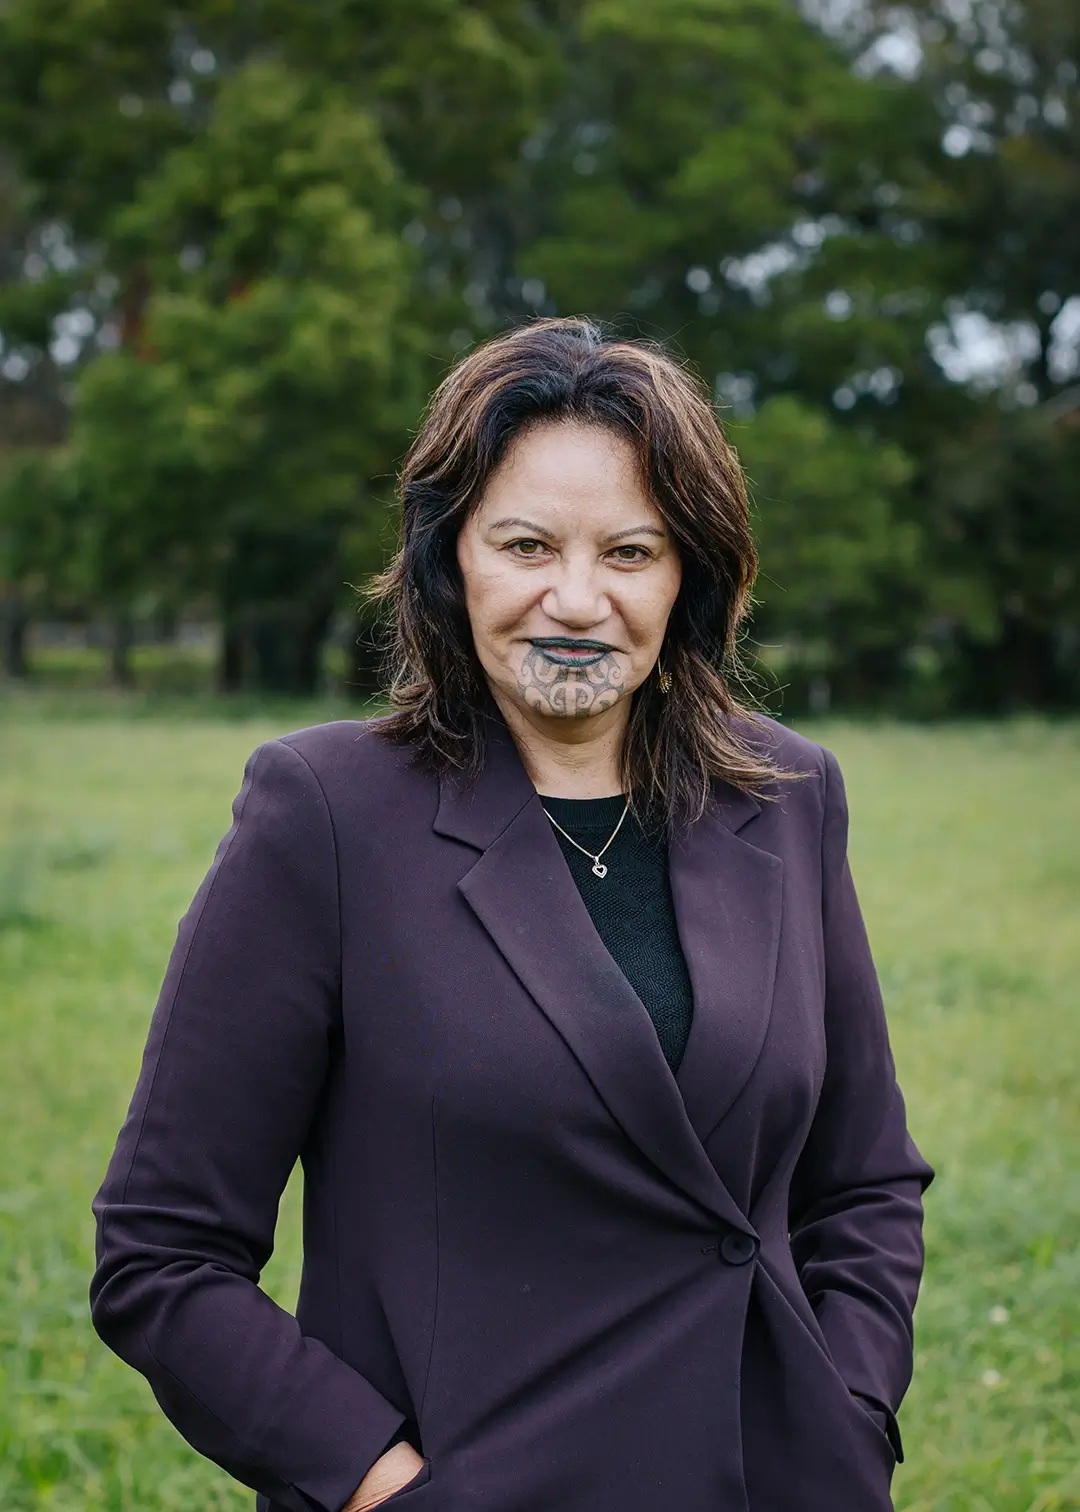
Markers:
point(570, 758)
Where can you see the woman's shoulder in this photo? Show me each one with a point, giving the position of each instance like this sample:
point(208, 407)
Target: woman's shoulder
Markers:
point(348, 757)
point(784, 747)
point(791, 804)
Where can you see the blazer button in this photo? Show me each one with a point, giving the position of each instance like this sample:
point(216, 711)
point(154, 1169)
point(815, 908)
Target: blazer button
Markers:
point(738, 1248)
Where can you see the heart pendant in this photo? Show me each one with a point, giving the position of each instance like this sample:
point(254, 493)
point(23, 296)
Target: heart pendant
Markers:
point(599, 869)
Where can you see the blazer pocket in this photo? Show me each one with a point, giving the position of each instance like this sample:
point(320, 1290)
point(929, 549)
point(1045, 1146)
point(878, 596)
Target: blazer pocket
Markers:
point(884, 1421)
point(873, 1411)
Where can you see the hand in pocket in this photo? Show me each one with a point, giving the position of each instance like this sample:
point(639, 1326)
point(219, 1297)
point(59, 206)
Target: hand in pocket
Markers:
point(390, 1473)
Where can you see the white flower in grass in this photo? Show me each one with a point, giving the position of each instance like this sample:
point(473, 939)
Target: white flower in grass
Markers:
point(991, 1378)
point(999, 1314)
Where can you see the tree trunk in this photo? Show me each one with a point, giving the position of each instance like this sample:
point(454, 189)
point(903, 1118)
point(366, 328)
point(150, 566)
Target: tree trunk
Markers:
point(867, 678)
point(120, 640)
point(309, 646)
point(270, 644)
point(165, 623)
point(230, 668)
point(1028, 667)
point(14, 625)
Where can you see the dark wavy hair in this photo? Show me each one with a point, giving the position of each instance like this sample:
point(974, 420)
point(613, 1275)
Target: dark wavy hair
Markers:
point(565, 370)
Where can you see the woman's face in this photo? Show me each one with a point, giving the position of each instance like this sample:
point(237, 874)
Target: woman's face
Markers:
point(570, 574)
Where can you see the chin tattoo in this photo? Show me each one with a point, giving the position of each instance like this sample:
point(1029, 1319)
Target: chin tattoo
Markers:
point(569, 691)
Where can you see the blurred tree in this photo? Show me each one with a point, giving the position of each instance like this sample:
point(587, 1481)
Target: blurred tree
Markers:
point(250, 235)
point(834, 544)
point(1006, 588)
point(40, 523)
point(260, 368)
point(997, 453)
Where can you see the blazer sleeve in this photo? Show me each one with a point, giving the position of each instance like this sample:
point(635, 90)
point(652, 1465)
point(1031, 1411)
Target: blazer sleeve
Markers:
point(237, 1052)
point(856, 1198)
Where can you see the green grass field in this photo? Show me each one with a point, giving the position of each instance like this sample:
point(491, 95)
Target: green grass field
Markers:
point(966, 851)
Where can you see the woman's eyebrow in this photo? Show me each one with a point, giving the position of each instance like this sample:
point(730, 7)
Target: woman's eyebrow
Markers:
point(539, 530)
point(523, 524)
point(653, 530)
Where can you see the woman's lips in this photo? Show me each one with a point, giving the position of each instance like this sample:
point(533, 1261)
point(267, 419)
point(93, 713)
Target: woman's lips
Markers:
point(564, 656)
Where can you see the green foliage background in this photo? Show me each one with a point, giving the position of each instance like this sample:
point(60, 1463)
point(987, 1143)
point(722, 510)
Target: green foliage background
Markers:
point(241, 239)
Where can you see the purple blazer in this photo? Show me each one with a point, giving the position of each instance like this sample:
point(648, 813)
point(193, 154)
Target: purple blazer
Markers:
point(584, 1283)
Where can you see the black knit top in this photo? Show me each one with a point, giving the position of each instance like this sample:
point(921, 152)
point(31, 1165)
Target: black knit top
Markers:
point(631, 908)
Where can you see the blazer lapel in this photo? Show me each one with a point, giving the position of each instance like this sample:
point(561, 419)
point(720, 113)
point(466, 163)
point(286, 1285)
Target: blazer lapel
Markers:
point(522, 892)
point(728, 903)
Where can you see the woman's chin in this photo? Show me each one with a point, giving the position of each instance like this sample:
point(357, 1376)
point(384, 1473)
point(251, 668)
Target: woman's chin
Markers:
point(565, 706)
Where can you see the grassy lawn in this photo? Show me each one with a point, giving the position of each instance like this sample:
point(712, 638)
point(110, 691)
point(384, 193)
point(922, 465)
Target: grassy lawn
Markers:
point(966, 851)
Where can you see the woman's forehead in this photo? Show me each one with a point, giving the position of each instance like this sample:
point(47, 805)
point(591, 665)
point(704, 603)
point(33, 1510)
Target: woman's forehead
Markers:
point(568, 468)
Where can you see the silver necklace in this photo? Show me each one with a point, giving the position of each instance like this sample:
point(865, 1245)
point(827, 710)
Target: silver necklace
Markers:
point(598, 868)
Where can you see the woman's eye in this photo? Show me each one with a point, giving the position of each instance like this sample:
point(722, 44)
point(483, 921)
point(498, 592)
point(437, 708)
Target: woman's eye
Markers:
point(532, 549)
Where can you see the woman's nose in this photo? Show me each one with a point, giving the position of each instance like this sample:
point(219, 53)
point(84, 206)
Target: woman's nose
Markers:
point(575, 596)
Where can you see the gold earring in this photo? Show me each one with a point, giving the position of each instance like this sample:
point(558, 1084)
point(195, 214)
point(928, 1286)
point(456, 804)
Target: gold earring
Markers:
point(665, 680)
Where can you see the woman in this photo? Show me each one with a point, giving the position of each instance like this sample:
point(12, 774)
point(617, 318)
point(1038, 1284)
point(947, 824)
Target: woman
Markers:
point(556, 982)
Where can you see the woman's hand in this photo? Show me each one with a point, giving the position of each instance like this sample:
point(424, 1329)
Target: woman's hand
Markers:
point(391, 1472)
